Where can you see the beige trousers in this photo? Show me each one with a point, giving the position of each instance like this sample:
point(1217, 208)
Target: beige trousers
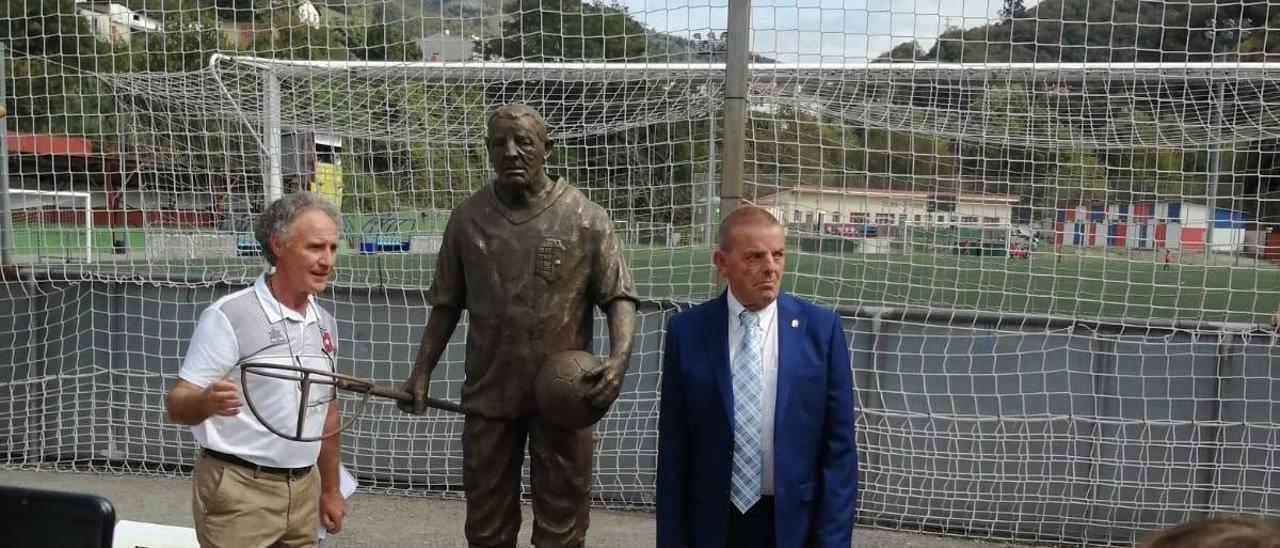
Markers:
point(238, 507)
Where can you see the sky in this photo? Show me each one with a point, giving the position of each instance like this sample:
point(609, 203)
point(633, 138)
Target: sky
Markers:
point(827, 31)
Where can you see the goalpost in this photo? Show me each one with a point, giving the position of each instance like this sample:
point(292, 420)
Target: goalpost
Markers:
point(41, 217)
point(627, 131)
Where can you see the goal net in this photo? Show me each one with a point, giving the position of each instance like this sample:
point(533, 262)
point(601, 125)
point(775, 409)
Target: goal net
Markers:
point(1050, 227)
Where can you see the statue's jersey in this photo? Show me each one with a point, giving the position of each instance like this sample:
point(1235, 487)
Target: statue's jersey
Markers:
point(529, 280)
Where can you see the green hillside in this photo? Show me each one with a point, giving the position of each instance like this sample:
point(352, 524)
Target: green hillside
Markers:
point(1112, 30)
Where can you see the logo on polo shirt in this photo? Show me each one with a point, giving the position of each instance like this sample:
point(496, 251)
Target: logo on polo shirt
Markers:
point(276, 335)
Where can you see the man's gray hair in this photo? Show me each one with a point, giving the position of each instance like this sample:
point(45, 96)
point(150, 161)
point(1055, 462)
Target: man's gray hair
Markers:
point(278, 218)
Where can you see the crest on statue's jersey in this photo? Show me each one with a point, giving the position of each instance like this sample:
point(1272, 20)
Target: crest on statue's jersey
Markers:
point(549, 259)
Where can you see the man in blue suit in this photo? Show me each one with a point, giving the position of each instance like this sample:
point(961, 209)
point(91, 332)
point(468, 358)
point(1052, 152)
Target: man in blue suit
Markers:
point(756, 438)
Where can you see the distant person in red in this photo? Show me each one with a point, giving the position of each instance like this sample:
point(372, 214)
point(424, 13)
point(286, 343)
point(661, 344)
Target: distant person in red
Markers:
point(1168, 258)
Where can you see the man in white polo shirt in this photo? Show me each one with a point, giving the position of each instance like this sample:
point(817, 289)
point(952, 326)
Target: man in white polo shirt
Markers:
point(252, 488)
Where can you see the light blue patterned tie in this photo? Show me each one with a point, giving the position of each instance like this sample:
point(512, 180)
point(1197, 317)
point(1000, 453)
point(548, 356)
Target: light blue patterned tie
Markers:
point(748, 393)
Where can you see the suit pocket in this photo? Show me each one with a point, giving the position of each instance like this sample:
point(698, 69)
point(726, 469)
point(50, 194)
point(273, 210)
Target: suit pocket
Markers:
point(806, 492)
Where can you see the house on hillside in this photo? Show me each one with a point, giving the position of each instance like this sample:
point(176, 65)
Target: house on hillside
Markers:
point(114, 22)
point(444, 47)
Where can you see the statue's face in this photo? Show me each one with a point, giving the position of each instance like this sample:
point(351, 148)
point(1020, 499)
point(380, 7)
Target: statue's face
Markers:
point(516, 149)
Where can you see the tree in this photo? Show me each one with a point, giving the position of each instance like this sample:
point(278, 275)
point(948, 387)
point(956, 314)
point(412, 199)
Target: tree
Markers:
point(1111, 31)
point(568, 30)
point(1013, 9)
point(906, 51)
point(908, 157)
point(51, 62)
point(379, 41)
point(235, 10)
point(288, 37)
point(189, 37)
point(46, 28)
point(791, 144)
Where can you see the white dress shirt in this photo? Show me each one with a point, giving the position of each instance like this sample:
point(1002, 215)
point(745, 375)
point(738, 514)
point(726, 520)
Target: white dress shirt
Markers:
point(768, 331)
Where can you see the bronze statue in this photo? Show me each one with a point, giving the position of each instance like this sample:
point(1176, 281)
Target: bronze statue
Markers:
point(528, 256)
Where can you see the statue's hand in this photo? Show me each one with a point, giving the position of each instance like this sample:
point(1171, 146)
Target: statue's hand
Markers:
point(416, 386)
point(608, 381)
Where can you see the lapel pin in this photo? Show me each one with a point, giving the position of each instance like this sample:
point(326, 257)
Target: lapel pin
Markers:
point(795, 324)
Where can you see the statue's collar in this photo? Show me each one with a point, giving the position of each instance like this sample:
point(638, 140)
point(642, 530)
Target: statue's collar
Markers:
point(520, 216)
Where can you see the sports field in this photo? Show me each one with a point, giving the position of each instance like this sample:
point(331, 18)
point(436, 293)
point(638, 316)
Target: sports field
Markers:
point(68, 242)
point(1073, 286)
point(1070, 285)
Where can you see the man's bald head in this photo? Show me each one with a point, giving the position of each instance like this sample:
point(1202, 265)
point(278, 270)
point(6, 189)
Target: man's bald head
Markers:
point(747, 215)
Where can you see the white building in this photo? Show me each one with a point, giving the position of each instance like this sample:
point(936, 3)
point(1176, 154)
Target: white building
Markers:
point(114, 22)
point(846, 211)
point(1150, 225)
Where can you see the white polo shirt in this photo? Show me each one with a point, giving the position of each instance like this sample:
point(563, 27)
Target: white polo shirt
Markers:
point(767, 330)
point(251, 326)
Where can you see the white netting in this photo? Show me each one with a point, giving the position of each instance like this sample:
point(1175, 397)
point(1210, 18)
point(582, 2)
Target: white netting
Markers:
point(1051, 228)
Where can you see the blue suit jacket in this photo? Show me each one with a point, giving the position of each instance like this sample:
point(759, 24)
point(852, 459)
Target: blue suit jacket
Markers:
point(815, 458)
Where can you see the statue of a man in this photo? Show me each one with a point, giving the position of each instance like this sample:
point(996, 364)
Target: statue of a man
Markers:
point(528, 256)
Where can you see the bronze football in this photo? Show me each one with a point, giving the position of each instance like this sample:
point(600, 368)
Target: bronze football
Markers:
point(561, 391)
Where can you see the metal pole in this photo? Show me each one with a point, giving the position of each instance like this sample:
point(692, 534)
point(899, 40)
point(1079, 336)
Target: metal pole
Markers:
point(711, 171)
point(735, 105)
point(6, 211)
point(88, 228)
point(273, 177)
point(1215, 154)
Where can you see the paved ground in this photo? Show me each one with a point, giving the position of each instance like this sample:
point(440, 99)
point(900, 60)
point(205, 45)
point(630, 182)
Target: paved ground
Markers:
point(386, 521)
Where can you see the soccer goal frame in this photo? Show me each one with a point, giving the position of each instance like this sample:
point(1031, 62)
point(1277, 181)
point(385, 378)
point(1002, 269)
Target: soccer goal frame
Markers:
point(80, 197)
point(833, 87)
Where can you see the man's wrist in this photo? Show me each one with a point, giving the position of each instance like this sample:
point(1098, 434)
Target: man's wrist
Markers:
point(206, 403)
